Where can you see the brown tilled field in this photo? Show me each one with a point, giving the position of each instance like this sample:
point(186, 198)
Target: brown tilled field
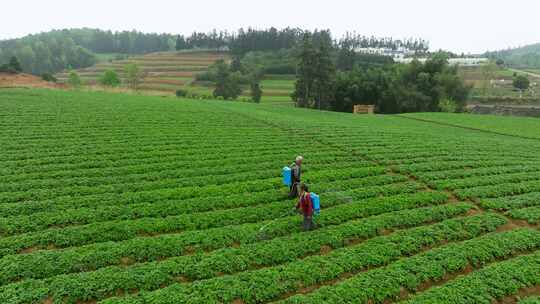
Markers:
point(8, 80)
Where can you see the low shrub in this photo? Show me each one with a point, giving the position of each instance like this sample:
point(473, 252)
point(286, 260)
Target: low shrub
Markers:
point(48, 77)
point(181, 93)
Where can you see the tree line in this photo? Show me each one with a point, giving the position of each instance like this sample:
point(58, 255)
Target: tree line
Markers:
point(57, 50)
point(337, 78)
point(272, 39)
point(51, 52)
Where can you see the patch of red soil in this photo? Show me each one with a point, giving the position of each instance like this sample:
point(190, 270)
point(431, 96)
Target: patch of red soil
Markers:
point(48, 300)
point(474, 211)
point(22, 80)
point(29, 249)
point(182, 279)
point(86, 302)
point(386, 231)
point(126, 261)
point(514, 224)
point(189, 250)
point(508, 226)
point(325, 250)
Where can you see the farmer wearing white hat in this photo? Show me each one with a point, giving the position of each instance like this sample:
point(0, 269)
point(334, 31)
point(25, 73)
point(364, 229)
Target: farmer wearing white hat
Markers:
point(296, 168)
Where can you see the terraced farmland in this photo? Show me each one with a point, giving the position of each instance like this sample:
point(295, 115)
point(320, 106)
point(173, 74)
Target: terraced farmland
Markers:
point(112, 198)
point(168, 71)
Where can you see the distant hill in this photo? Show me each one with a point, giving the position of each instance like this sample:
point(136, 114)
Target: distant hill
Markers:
point(166, 72)
point(523, 57)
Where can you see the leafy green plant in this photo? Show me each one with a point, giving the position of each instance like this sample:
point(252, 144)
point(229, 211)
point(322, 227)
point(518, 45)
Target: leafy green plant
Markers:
point(110, 78)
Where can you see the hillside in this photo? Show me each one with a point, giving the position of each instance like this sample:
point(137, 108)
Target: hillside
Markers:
point(115, 198)
point(524, 50)
point(56, 50)
point(168, 71)
point(523, 57)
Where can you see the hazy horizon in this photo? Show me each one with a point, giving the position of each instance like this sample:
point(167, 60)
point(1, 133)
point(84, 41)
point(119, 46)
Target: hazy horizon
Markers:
point(461, 26)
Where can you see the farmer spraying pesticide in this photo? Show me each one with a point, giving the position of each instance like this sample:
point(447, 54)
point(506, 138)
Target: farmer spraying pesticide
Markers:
point(307, 207)
point(292, 176)
point(308, 202)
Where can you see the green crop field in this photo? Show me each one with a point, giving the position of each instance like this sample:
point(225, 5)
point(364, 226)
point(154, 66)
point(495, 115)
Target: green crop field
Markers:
point(516, 126)
point(167, 72)
point(115, 198)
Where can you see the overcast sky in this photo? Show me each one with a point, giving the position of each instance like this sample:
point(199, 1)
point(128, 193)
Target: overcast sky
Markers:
point(457, 25)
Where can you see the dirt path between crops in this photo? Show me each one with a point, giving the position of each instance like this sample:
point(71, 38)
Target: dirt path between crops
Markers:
point(522, 293)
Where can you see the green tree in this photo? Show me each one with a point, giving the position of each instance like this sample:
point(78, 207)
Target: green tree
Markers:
point(14, 64)
point(74, 80)
point(430, 86)
point(227, 83)
point(452, 88)
point(48, 77)
point(180, 43)
point(236, 64)
point(325, 70)
point(134, 75)
point(448, 105)
point(316, 71)
point(110, 78)
point(346, 56)
point(26, 59)
point(305, 75)
point(255, 89)
point(255, 85)
point(521, 82)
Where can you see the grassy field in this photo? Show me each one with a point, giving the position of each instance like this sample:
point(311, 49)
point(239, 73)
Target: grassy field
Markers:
point(168, 71)
point(516, 126)
point(107, 57)
point(114, 198)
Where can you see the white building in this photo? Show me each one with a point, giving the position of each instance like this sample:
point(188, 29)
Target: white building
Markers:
point(452, 61)
point(398, 53)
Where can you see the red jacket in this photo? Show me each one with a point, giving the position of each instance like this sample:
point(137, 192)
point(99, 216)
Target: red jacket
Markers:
point(305, 204)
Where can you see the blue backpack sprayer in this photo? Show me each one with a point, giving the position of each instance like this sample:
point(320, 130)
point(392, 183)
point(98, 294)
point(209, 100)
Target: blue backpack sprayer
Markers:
point(287, 181)
point(315, 199)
